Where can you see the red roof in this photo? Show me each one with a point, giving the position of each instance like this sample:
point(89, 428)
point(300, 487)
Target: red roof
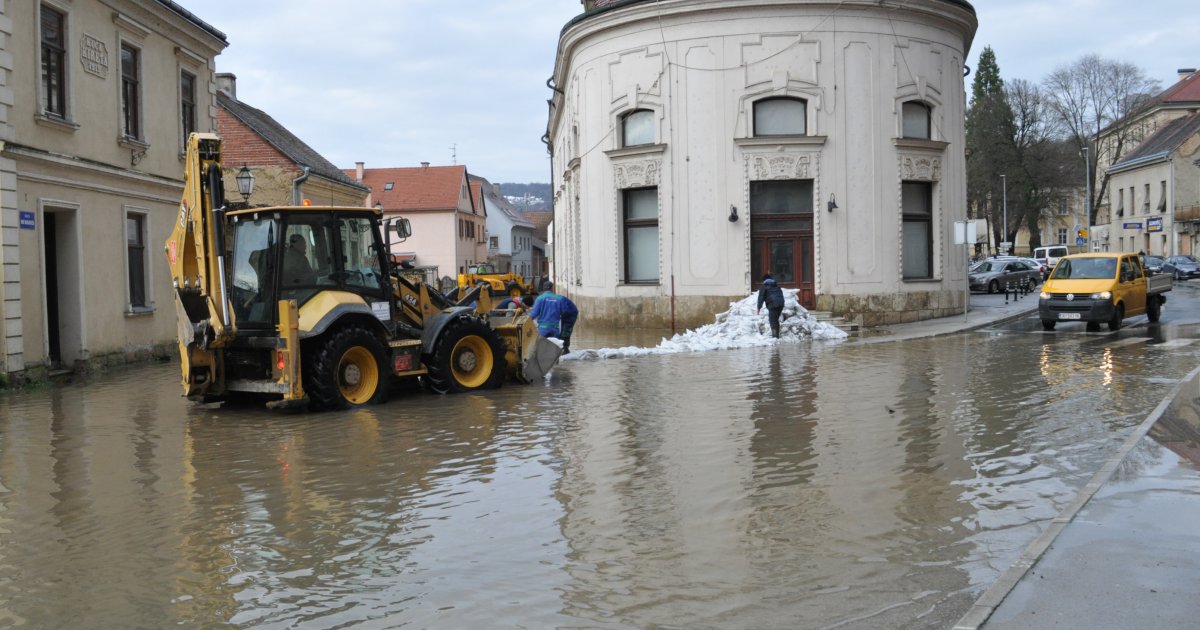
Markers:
point(419, 188)
point(1187, 90)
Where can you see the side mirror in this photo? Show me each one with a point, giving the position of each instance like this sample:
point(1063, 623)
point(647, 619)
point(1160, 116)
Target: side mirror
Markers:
point(403, 228)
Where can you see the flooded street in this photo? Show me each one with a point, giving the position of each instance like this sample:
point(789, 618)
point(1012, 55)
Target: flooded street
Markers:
point(813, 485)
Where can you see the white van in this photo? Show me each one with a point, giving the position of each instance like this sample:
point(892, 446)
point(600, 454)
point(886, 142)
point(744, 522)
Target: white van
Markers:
point(1050, 254)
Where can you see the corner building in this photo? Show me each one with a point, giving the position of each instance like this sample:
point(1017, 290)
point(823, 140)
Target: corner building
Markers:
point(698, 144)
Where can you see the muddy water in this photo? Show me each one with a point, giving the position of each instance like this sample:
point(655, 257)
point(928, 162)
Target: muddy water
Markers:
point(856, 486)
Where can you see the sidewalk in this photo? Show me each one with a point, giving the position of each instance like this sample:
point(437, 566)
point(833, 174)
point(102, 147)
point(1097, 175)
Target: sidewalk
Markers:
point(985, 310)
point(1126, 552)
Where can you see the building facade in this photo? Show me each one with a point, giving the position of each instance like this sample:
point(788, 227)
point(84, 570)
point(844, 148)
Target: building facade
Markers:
point(1151, 197)
point(96, 101)
point(509, 234)
point(698, 144)
point(449, 224)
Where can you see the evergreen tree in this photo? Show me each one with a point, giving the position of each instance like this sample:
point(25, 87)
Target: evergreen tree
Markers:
point(991, 130)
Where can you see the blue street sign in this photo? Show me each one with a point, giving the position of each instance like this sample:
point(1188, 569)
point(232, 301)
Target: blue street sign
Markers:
point(27, 220)
point(1080, 241)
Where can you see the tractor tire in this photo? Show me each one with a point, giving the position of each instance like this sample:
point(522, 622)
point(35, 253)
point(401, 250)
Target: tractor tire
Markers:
point(513, 289)
point(1118, 315)
point(347, 368)
point(1153, 309)
point(467, 356)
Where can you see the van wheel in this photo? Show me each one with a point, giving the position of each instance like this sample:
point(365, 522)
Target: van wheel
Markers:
point(1153, 309)
point(1048, 324)
point(1118, 315)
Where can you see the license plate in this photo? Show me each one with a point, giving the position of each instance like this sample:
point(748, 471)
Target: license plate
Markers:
point(1069, 315)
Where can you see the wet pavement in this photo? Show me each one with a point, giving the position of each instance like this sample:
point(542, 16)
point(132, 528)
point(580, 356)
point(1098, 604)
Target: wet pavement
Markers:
point(858, 484)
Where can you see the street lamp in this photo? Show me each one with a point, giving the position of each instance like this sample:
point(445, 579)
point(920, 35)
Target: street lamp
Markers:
point(1004, 189)
point(1087, 203)
point(245, 182)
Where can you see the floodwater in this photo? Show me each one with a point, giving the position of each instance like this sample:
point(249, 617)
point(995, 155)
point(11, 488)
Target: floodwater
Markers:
point(823, 485)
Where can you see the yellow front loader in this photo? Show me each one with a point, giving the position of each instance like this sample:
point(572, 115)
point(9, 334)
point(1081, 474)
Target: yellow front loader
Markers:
point(300, 304)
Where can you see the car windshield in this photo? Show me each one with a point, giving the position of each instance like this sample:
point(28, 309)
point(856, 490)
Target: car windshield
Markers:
point(988, 266)
point(1184, 259)
point(1085, 268)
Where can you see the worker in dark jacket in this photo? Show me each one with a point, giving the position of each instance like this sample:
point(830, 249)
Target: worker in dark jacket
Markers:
point(771, 295)
point(555, 315)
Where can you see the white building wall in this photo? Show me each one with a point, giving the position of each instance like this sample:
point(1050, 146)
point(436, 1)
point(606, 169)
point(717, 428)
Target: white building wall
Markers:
point(1129, 233)
point(699, 65)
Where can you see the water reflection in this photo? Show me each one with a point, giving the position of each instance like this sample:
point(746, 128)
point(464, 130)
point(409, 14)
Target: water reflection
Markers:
point(877, 485)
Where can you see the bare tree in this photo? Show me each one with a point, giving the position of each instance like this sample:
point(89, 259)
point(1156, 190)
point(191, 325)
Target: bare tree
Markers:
point(1042, 172)
point(1099, 99)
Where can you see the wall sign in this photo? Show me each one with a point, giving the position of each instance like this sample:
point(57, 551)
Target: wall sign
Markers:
point(93, 54)
point(1154, 224)
point(1132, 226)
point(28, 220)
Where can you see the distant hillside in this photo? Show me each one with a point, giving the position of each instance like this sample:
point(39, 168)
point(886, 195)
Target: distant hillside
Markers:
point(527, 197)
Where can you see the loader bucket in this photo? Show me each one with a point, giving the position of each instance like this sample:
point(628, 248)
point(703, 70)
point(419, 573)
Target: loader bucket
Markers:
point(540, 359)
point(530, 356)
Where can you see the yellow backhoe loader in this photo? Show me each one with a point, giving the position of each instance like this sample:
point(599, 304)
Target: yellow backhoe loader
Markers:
point(498, 284)
point(300, 303)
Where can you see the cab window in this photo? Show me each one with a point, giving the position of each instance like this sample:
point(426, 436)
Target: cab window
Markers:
point(360, 254)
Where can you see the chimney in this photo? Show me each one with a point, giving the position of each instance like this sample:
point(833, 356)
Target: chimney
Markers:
point(1185, 73)
point(358, 171)
point(227, 83)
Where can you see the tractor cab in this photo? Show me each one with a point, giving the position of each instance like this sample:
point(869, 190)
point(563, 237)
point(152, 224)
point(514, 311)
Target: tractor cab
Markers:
point(298, 254)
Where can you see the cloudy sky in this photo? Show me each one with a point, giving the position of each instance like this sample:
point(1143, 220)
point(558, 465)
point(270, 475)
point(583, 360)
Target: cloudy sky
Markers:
point(399, 82)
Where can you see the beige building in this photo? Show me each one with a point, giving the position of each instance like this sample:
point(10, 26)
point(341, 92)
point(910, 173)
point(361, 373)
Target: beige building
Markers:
point(1138, 187)
point(96, 99)
point(698, 144)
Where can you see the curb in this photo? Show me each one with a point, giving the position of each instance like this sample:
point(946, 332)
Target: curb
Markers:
point(990, 600)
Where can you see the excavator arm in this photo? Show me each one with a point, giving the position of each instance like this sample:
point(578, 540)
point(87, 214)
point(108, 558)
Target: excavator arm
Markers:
point(195, 253)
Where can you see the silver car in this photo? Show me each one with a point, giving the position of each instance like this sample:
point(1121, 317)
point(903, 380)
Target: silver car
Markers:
point(999, 274)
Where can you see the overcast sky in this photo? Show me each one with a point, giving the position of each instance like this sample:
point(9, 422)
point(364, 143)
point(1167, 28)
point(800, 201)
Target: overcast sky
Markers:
point(398, 82)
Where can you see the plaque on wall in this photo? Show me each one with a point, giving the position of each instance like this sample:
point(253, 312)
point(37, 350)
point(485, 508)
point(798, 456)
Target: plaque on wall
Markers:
point(93, 54)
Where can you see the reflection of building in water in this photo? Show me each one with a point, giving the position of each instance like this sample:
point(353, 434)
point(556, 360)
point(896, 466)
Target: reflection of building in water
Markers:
point(757, 481)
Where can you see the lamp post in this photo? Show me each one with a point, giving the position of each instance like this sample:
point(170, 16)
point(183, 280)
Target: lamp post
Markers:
point(1004, 191)
point(1087, 203)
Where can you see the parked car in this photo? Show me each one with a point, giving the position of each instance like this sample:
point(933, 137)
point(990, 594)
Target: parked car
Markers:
point(1154, 264)
point(1186, 267)
point(996, 274)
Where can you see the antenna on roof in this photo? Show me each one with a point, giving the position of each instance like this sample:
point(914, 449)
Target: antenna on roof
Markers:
point(454, 154)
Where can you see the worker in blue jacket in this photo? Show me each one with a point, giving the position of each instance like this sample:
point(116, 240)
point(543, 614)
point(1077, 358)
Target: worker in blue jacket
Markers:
point(555, 315)
point(771, 295)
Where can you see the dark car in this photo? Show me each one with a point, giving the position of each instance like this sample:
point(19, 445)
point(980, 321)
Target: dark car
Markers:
point(1154, 264)
point(994, 275)
point(1186, 267)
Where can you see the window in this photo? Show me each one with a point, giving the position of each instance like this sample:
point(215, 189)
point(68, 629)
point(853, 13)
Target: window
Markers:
point(1063, 209)
point(1146, 201)
point(1062, 236)
point(1120, 202)
point(916, 120)
point(917, 217)
point(389, 186)
point(54, 69)
point(135, 242)
point(494, 242)
point(130, 91)
point(780, 117)
point(637, 128)
point(1162, 196)
point(187, 102)
point(641, 235)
